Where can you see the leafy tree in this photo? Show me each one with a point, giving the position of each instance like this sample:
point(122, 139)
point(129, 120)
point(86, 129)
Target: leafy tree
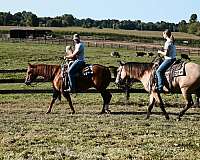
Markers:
point(67, 20)
point(54, 23)
point(182, 26)
point(193, 18)
point(194, 28)
point(30, 19)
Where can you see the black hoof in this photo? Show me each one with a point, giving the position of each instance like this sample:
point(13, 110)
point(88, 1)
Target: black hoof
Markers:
point(167, 117)
point(179, 119)
point(48, 112)
point(105, 112)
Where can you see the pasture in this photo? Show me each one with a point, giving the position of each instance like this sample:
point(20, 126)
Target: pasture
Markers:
point(107, 31)
point(26, 132)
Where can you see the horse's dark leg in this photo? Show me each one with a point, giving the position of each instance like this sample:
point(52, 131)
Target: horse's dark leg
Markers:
point(59, 96)
point(127, 93)
point(150, 106)
point(55, 96)
point(162, 107)
point(197, 100)
point(106, 100)
point(189, 103)
point(67, 96)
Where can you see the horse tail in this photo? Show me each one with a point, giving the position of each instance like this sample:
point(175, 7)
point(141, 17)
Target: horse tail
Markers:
point(109, 78)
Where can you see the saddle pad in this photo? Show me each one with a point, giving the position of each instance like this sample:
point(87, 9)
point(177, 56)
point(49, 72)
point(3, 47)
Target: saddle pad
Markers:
point(87, 71)
point(177, 69)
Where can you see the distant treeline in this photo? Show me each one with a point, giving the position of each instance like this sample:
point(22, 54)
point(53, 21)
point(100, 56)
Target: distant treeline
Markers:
point(30, 19)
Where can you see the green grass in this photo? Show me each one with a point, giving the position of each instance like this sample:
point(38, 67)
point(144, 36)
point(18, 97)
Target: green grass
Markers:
point(26, 132)
point(148, 34)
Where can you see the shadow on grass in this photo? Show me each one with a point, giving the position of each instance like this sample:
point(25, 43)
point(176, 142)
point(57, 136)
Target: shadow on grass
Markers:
point(152, 113)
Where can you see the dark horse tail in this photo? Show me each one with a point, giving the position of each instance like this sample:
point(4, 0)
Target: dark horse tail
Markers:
point(105, 77)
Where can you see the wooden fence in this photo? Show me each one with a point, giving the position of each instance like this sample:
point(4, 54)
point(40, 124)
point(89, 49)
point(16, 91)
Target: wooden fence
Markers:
point(107, 44)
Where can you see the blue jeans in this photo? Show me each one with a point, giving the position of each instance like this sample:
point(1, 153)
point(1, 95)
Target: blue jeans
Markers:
point(73, 69)
point(160, 72)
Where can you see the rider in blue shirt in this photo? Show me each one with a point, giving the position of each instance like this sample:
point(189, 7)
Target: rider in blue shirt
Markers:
point(78, 55)
point(169, 57)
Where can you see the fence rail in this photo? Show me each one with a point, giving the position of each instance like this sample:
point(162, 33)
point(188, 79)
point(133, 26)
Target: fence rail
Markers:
point(30, 91)
point(108, 44)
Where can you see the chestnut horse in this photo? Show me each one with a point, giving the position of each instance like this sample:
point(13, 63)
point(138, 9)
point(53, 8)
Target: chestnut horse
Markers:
point(187, 84)
point(100, 80)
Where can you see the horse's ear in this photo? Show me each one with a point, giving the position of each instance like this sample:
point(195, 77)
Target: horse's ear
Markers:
point(121, 63)
point(67, 48)
point(29, 64)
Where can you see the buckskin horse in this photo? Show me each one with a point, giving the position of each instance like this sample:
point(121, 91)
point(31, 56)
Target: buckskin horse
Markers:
point(186, 84)
point(100, 80)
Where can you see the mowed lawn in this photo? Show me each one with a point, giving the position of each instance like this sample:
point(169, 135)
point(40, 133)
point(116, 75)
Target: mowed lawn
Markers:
point(26, 132)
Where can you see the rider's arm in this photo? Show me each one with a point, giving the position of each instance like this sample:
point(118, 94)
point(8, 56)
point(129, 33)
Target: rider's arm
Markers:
point(163, 52)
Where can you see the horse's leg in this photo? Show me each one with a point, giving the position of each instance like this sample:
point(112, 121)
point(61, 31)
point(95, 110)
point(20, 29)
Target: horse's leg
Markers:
point(67, 96)
point(160, 102)
point(150, 106)
point(106, 100)
point(189, 103)
point(197, 100)
point(55, 96)
point(127, 93)
point(59, 96)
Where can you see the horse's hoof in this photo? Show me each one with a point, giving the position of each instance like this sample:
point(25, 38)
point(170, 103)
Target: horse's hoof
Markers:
point(48, 112)
point(108, 111)
point(179, 119)
point(102, 112)
point(105, 112)
point(146, 118)
point(73, 112)
point(167, 117)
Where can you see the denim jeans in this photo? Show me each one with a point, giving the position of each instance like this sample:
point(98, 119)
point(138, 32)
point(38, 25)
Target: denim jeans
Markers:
point(160, 72)
point(73, 69)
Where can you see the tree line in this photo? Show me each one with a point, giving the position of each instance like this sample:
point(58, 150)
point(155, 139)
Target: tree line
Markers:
point(30, 19)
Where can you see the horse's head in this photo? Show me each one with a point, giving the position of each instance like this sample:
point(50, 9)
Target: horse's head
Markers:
point(68, 50)
point(121, 74)
point(30, 74)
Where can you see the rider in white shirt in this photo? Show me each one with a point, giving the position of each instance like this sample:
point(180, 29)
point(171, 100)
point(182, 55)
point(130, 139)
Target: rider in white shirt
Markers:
point(169, 55)
point(78, 55)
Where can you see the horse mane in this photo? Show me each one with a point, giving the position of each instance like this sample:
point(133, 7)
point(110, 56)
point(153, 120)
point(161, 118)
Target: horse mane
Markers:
point(46, 70)
point(137, 69)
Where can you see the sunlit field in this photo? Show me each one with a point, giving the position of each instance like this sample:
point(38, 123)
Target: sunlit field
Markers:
point(157, 34)
point(26, 132)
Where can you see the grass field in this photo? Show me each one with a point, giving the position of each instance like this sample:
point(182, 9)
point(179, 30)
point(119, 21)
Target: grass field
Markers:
point(157, 34)
point(26, 132)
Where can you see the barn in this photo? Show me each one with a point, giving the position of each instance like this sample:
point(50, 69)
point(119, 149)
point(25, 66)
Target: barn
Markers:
point(29, 33)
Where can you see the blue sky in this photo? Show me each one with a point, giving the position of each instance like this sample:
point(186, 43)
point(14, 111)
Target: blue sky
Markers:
point(144, 10)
